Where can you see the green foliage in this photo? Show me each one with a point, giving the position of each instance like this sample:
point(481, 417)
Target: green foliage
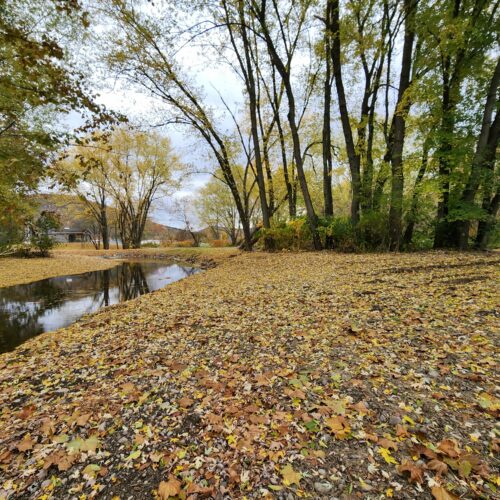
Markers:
point(40, 228)
point(294, 235)
point(373, 230)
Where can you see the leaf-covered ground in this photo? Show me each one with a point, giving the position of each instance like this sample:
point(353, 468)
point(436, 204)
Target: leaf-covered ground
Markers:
point(286, 375)
point(15, 271)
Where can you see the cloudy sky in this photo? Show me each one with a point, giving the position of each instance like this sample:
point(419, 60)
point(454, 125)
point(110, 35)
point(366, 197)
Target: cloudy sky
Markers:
point(145, 110)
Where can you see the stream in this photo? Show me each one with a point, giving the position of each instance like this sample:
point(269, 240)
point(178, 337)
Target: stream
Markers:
point(53, 303)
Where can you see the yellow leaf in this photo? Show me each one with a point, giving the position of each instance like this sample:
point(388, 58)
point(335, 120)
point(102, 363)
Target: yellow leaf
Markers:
point(387, 455)
point(389, 492)
point(290, 476)
point(406, 418)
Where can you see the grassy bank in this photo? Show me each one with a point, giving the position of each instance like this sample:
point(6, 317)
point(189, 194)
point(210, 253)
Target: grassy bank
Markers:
point(285, 375)
point(73, 259)
point(16, 271)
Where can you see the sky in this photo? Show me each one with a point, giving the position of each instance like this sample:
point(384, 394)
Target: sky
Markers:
point(140, 108)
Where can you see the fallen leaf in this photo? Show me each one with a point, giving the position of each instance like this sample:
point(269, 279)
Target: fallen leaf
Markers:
point(449, 447)
point(436, 465)
point(169, 488)
point(186, 402)
point(386, 454)
point(416, 473)
point(26, 443)
point(439, 493)
point(290, 476)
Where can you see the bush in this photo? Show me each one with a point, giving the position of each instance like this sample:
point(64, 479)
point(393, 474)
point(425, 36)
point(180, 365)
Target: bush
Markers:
point(340, 230)
point(40, 238)
point(183, 243)
point(372, 229)
point(219, 243)
point(294, 235)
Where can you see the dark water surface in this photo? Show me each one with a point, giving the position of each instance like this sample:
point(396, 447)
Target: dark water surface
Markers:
point(49, 304)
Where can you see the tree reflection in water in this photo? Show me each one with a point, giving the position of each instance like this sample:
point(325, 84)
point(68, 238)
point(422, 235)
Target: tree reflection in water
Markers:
point(46, 305)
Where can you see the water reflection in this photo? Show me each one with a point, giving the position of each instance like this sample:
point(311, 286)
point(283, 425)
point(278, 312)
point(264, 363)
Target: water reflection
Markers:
point(46, 305)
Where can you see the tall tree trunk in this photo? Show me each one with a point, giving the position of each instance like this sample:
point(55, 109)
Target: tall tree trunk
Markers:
point(352, 155)
point(284, 72)
point(327, 147)
point(248, 72)
point(485, 151)
point(486, 225)
point(398, 130)
point(104, 227)
point(412, 214)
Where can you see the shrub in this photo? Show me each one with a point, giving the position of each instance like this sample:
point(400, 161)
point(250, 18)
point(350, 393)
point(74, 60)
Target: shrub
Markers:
point(294, 235)
point(40, 238)
point(372, 230)
point(183, 243)
point(340, 230)
point(218, 243)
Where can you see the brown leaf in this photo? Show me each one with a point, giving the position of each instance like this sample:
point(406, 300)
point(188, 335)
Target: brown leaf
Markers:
point(449, 447)
point(25, 444)
point(186, 402)
point(61, 459)
point(387, 443)
point(439, 467)
point(169, 488)
point(26, 412)
point(416, 473)
point(401, 431)
point(439, 493)
point(128, 388)
point(83, 419)
point(48, 426)
point(421, 450)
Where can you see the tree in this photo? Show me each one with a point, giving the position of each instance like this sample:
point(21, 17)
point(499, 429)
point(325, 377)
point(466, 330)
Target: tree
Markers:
point(141, 170)
point(37, 84)
point(215, 208)
point(143, 51)
point(85, 171)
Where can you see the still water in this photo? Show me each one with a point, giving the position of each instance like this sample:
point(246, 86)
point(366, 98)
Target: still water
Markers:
point(49, 304)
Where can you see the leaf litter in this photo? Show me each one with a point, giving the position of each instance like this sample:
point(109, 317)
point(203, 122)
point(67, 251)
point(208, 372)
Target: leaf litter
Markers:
point(273, 375)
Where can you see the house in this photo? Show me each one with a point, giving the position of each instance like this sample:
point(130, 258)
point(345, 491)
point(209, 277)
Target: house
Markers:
point(70, 235)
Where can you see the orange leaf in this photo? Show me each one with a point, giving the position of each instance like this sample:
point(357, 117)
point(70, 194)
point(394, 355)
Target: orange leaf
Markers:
point(416, 473)
point(185, 402)
point(449, 447)
point(169, 488)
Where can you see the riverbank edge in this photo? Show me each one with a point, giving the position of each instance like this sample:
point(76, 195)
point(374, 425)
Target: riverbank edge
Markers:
point(64, 262)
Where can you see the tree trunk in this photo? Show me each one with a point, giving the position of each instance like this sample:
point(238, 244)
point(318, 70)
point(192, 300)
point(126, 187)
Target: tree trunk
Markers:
point(248, 71)
point(353, 156)
point(297, 153)
point(398, 131)
point(485, 152)
point(485, 226)
point(327, 147)
point(104, 228)
point(408, 234)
